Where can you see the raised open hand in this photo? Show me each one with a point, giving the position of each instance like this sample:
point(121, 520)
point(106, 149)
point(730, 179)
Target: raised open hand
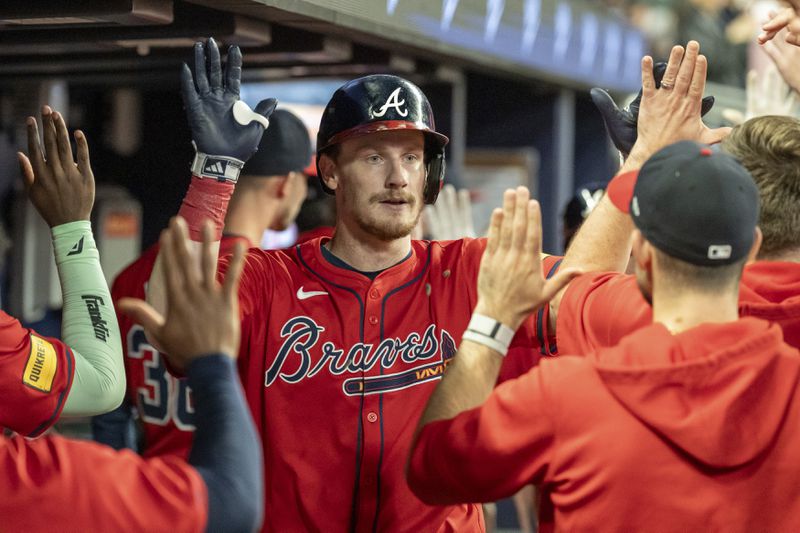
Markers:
point(451, 216)
point(202, 315)
point(60, 189)
point(621, 124)
point(786, 58)
point(778, 20)
point(221, 124)
point(511, 284)
point(672, 112)
point(767, 94)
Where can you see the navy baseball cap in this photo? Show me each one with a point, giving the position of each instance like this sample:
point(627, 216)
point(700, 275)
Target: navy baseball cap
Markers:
point(696, 204)
point(285, 147)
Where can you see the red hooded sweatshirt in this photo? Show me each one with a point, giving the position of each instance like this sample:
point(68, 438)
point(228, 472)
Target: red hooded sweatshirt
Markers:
point(691, 432)
point(599, 309)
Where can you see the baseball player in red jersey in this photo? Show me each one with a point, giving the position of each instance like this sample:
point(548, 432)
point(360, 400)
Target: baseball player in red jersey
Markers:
point(270, 194)
point(690, 423)
point(344, 338)
point(41, 377)
point(83, 486)
point(600, 308)
point(36, 374)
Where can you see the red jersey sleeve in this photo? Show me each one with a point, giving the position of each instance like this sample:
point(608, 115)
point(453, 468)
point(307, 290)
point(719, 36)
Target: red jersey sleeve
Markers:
point(598, 310)
point(35, 378)
point(489, 452)
point(84, 486)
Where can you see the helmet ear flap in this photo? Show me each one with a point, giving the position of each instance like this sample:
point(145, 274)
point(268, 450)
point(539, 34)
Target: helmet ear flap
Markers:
point(435, 177)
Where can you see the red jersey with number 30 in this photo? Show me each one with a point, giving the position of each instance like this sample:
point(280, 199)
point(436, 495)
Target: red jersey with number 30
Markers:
point(35, 378)
point(337, 369)
point(163, 401)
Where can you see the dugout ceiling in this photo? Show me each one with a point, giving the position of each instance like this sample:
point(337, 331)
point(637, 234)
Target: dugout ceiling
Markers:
point(566, 42)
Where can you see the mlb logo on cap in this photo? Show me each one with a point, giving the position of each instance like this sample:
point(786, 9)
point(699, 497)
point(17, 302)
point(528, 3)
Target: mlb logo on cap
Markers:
point(720, 251)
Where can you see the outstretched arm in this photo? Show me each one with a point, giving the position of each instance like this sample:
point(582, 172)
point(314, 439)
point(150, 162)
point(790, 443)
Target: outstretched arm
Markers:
point(225, 133)
point(667, 114)
point(510, 287)
point(63, 192)
point(221, 489)
point(200, 334)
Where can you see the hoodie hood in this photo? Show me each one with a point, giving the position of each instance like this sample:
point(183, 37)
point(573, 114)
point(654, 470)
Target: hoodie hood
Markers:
point(771, 290)
point(717, 392)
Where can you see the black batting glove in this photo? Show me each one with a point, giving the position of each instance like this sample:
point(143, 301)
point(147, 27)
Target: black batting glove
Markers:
point(621, 123)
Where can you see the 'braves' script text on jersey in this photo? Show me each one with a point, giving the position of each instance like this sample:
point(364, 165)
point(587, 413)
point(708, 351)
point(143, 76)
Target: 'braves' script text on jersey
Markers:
point(337, 369)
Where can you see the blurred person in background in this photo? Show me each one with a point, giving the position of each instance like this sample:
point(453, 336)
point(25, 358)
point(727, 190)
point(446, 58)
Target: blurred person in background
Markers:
point(579, 208)
point(272, 188)
point(708, 22)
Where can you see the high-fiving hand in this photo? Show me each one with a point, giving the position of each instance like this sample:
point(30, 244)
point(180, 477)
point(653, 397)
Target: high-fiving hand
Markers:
point(202, 315)
point(783, 18)
point(510, 281)
point(767, 94)
point(621, 124)
point(221, 124)
point(60, 189)
point(672, 112)
point(786, 58)
point(450, 217)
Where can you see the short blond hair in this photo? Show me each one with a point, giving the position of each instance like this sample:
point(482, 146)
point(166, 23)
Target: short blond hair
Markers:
point(769, 148)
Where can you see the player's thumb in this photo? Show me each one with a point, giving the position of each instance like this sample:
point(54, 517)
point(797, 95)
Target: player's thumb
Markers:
point(142, 313)
point(606, 105)
point(621, 126)
point(555, 284)
point(266, 107)
point(716, 135)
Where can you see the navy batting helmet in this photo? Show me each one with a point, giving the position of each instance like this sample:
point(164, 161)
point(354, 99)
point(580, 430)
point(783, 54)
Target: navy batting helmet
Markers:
point(382, 102)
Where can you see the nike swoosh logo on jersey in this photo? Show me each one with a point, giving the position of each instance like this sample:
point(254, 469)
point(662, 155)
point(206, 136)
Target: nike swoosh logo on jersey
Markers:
point(302, 295)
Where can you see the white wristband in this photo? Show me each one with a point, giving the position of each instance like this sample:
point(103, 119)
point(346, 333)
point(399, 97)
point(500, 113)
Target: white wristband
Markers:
point(489, 332)
point(218, 167)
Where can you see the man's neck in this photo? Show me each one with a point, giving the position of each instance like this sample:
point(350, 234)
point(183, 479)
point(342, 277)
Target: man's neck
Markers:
point(365, 252)
point(788, 256)
point(679, 310)
point(250, 220)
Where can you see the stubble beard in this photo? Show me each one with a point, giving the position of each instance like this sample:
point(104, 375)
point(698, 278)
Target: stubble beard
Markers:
point(389, 228)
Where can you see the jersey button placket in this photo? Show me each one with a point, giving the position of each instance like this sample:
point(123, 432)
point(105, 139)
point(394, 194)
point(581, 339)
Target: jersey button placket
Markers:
point(371, 420)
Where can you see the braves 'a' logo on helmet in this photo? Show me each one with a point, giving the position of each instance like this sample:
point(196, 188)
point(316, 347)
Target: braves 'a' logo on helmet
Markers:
point(382, 102)
point(395, 102)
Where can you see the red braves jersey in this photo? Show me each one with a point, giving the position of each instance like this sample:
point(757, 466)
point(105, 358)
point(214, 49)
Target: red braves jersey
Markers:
point(337, 369)
point(35, 378)
point(599, 309)
point(163, 401)
point(66, 485)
